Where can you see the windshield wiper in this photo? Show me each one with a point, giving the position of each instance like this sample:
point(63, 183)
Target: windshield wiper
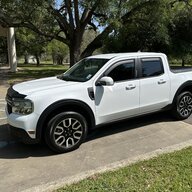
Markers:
point(68, 78)
point(60, 76)
point(65, 78)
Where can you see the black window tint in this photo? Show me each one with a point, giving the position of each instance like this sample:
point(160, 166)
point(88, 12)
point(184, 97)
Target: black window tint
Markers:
point(152, 67)
point(123, 71)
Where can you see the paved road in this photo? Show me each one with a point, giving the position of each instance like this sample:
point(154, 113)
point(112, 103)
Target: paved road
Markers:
point(36, 168)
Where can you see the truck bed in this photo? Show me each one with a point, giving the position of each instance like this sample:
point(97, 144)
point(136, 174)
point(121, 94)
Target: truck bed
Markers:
point(179, 69)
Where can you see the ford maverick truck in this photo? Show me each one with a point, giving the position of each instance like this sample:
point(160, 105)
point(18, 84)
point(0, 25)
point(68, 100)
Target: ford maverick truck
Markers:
point(97, 90)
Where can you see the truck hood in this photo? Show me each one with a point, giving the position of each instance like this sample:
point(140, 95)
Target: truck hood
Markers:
point(30, 87)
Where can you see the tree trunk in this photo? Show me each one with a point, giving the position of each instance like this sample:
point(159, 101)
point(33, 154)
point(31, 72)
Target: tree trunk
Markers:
point(183, 62)
point(7, 58)
point(60, 59)
point(54, 58)
point(74, 49)
point(37, 59)
point(97, 42)
point(26, 58)
point(74, 55)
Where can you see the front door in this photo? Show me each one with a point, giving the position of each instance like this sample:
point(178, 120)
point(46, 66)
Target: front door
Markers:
point(122, 99)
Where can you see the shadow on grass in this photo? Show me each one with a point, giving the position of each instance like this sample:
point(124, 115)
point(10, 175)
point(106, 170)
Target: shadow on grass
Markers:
point(32, 72)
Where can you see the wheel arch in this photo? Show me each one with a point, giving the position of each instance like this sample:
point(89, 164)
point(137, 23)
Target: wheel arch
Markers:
point(187, 86)
point(61, 106)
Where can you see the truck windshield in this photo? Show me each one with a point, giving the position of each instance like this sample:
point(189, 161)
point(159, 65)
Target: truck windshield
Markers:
point(83, 70)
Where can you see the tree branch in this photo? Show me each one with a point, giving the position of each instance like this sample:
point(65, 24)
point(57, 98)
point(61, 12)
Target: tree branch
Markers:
point(71, 20)
point(9, 23)
point(98, 41)
point(84, 15)
point(87, 15)
point(100, 15)
point(62, 20)
point(125, 17)
point(93, 26)
point(76, 8)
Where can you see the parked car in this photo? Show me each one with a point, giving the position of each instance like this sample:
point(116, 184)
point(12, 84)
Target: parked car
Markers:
point(97, 90)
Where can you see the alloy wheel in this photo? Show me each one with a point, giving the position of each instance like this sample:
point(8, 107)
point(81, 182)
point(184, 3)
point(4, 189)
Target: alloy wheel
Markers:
point(68, 132)
point(185, 105)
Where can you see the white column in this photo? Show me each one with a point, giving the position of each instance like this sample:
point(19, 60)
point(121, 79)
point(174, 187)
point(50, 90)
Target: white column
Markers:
point(12, 49)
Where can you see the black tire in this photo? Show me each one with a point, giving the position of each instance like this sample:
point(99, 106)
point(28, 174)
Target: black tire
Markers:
point(183, 106)
point(66, 132)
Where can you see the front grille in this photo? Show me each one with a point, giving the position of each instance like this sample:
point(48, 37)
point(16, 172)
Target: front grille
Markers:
point(9, 109)
point(9, 99)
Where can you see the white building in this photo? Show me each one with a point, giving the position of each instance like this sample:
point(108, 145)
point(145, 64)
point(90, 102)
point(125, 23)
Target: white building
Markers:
point(10, 35)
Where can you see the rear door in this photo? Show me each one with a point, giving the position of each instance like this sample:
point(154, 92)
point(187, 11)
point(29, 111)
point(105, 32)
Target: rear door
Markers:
point(154, 84)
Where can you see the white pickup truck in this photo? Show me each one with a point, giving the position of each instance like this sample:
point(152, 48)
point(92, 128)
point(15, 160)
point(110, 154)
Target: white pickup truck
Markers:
point(97, 90)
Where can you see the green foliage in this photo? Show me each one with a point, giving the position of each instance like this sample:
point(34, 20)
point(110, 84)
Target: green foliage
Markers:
point(28, 13)
point(58, 51)
point(181, 32)
point(68, 20)
point(145, 30)
point(163, 26)
point(30, 43)
point(147, 25)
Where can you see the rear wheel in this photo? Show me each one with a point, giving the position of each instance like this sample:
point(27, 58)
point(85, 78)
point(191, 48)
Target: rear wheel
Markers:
point(66, 132)
point(183, 106)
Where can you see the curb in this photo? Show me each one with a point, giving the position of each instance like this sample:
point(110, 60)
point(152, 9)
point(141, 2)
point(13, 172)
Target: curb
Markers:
point(111, 167)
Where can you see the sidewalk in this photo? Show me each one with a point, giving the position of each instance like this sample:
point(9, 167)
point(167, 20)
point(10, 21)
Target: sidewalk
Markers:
point(35, 168)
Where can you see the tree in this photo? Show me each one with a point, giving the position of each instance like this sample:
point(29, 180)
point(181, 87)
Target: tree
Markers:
point(181, 32)
point(145, 31)
point(164, 28)
point(29, 43)
point(58, 51)
point(67, 20)
point(88, 37)
point(3, 50)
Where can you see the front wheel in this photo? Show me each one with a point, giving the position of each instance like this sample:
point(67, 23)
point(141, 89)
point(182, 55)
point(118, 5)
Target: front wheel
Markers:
point(66, 132)
point(183, 106)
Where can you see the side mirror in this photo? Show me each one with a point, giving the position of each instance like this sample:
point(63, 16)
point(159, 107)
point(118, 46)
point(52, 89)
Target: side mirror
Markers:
point(106, 81)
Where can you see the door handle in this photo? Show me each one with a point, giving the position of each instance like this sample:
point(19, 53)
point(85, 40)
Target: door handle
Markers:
point(130, 87)
point(161, 81)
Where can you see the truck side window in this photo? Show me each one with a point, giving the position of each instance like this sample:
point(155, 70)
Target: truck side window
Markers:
point(124, 71)
point(151, 67)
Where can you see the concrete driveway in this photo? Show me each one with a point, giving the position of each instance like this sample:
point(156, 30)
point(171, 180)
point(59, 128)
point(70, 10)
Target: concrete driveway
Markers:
point(36, 168)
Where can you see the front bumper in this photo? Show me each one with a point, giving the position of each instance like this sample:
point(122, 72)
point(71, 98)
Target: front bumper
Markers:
point(22, 135)
point(21, 126)
point(25, 123)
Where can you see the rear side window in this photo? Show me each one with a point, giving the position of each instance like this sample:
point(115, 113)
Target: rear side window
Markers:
point(124, 71)
point(151, 67)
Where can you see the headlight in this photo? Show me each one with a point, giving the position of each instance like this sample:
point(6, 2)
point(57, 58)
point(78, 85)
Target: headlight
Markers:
point(22, 106)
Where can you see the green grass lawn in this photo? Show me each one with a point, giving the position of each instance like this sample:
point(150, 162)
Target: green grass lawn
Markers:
point(168, 172)
point(28, 72)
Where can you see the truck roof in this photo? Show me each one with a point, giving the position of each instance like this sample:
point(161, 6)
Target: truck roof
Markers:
point(115, 55)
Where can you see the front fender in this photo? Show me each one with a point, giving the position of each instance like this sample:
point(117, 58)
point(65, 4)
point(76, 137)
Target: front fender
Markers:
point(63, 105)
